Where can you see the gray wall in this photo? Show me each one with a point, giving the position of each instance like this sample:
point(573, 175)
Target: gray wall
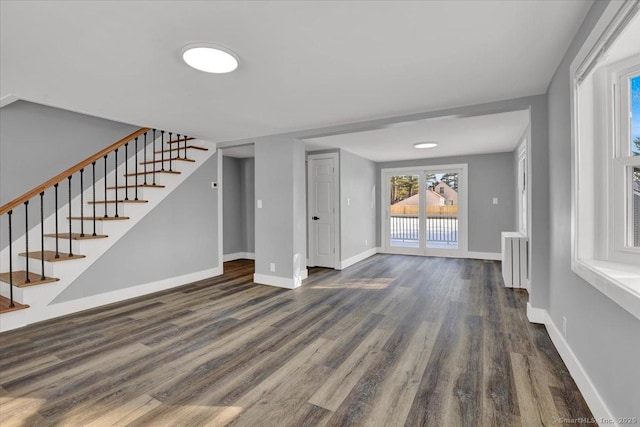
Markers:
point(358, 183)
point(179, 236)
point(248, 170)
point(238, 189)
point(489, 175)
point(280, 183)
point(38, 142)
point(604, 337)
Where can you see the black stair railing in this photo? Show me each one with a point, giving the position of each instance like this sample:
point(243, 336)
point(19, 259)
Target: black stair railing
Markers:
point(14, 277)
point(41, 192)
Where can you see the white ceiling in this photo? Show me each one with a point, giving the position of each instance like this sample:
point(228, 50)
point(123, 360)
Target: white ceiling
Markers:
point(304, 65)
point(239, 151)
point(494, 133)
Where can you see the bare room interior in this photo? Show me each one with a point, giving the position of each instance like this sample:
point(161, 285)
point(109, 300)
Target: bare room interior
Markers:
point(312, 213)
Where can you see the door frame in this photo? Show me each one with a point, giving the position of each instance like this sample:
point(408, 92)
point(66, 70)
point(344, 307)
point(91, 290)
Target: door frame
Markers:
point(336, 207)
point(463, 199)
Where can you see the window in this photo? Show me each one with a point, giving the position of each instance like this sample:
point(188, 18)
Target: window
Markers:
point(606, 158)
point(626, 160)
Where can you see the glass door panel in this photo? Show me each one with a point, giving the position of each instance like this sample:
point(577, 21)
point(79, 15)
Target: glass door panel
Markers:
point(404, 209)
point(441, 210)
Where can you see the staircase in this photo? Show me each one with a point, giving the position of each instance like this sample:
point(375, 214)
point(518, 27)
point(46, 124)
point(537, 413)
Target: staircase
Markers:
point(94, 204)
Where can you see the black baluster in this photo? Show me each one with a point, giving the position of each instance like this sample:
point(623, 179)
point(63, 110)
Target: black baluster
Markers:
point(170, 156)
point(26, 238)
point(105, 187)
point(11, 304)
point(136, 168)
point(70, 249)
point(55, 186)
point(115, 172)
point(93, 168)
point(126, 172)
point(178, 151)
point(145, 158)
point(162, 149)
point(82, 202)
point(185, 147)
point(153, 167)
point(42, 234)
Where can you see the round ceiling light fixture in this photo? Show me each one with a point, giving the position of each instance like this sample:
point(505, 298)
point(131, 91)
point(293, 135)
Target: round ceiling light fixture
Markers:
point(425, 145)
point(210, 58)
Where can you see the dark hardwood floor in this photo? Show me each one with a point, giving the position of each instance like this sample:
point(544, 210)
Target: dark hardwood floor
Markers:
point(393, 340)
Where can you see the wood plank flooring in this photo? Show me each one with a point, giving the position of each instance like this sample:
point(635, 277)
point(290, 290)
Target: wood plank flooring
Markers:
point(391, 341)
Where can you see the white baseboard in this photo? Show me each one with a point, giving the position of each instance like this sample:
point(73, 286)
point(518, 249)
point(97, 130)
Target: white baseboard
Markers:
point(579, 375)
point(17, 319)
point(280, 282)
point(494, 256)
point(238, 255)
point(357, 258)
point(537, 315)
point(589, 392)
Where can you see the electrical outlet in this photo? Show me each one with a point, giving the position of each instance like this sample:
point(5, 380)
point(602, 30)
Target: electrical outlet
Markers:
point(495, 200)
point(348, 201)
point(272, 267)
point(366, 242)
point(259, 204)
point(564, 326)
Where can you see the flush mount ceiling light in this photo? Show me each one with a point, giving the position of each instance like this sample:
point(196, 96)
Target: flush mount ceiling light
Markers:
point(210, 58)
point(425, 145)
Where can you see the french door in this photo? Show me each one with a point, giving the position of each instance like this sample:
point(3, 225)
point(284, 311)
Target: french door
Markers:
point(424, 210)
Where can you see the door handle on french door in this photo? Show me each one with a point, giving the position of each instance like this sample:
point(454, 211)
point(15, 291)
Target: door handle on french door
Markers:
point(315, 218)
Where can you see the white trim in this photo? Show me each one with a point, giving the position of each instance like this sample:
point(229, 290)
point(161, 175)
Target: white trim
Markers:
point(238, 255)
point(336, 203)
point(619, 282)
point(493, 256)
point(537, 315)
point(593, 225)
point(585, 385)
point(220, 212)
point(280, 282)
point(8, 99)
point(587, 388)
point(357, 258)
point(15, 320)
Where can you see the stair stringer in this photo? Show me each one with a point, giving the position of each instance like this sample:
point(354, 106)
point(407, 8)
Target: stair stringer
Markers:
point(39, 297)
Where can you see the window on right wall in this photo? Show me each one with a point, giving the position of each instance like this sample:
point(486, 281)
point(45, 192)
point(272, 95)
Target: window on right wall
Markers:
point(606, 156)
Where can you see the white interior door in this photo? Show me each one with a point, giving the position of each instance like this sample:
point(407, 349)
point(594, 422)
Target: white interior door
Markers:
point(322, 210)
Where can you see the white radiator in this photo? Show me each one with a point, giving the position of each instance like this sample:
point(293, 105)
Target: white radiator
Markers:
point(515, 248)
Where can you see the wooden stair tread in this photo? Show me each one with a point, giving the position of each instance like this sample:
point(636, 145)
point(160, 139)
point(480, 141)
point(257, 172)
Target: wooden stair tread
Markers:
point(4, 305)
point(50, 256)
point(99, 218)
point(194, 147)
point(151, 172)
point(77, 236)
point(181, 140)
point(174, 159)
point(139, 186)
point(19, 279)
point(102, 202)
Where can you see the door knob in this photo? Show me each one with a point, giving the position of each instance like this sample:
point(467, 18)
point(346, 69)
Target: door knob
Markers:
point(315, 218)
